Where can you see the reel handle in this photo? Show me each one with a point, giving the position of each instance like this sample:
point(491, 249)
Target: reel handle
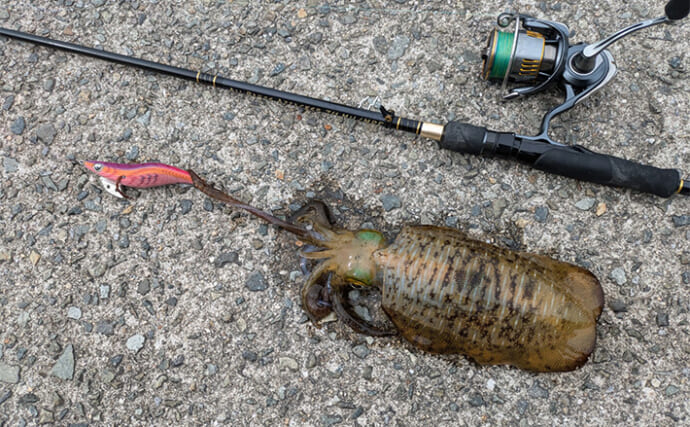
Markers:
point(677, 9)
point(569, 161)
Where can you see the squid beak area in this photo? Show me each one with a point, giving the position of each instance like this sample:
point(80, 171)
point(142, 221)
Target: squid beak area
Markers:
point(317, 301)
point(347, 314)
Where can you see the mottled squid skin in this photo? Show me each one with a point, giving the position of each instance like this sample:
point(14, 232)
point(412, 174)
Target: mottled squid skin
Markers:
point(447, 293)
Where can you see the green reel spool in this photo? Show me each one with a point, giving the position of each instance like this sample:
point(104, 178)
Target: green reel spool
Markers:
point(518, 56)
point(500, 49)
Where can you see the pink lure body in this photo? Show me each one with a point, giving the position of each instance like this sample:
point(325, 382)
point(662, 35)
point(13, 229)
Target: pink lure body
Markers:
point(140, 175)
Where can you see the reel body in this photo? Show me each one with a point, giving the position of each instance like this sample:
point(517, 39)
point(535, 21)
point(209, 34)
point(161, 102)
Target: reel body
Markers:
point(537, 56)
point(537, 53)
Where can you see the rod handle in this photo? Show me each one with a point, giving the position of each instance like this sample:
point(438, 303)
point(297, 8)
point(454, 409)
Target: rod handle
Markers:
point(579, 163)
point(569, 161)
point(463, 138)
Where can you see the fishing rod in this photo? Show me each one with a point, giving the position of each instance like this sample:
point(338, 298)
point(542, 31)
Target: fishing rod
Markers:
point(536, 54)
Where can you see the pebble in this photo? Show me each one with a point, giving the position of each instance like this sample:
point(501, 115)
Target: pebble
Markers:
point(30, 398)
point(662, 319)
point(541, 214)
point(256, 282)
point(671, 390)
point(380, 44)
point(177, 361)
point(211, 370)
point(159, 381)
point(681, 220)
point(145, 119)
point(74, 313)
point(132, 153)
point(390, 202)
point(288, 363)
point(522, 406)
point(64, 367)
point(116, 360)
point(279, 68)
point(46, 133)
point(226, 258)
point(618, 306)
point(135, 342)
point(34, 257)
point(331, 419)
point(123, 242)
point(105, 328)
point(618, 276)
point(9, 373)
point(586, 204)
point(538, 391)
point(250, 356)
point(498, 206)
point(675, 62)
point(476, 400)
point(144, 287)
point(46, 417)
point(601, 209)
point(186, 206)
point(398, 47)
point(10, 164)
point(49, 84)
point(361, 351)
point(17, 127)
point(9, 101)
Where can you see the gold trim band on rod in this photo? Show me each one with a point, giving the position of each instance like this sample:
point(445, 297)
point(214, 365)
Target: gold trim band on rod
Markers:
point(198, 73)
point(432, 131)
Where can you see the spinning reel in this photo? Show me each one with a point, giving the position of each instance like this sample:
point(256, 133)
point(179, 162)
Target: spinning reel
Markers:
point(537, 53)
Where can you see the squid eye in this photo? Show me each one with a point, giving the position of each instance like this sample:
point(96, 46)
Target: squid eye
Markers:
point(97, 167)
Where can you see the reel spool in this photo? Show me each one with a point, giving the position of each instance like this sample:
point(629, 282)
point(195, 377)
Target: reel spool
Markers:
point(533, 54)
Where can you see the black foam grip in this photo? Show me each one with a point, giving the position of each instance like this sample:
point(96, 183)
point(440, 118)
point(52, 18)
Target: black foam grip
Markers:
point(677, 9)
point(463, 138)
point(609, 170)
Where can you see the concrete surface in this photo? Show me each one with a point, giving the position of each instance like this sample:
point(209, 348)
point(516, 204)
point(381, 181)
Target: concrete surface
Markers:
point(171, 310)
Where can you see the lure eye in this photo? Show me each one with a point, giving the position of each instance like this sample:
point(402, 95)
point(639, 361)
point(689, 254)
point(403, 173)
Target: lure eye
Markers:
point(97, 167)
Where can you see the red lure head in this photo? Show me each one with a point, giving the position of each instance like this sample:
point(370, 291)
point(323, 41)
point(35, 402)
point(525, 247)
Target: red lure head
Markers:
point(107, 170)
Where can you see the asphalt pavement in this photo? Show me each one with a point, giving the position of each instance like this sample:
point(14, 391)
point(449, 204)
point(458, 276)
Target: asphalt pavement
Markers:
point(170, 309)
